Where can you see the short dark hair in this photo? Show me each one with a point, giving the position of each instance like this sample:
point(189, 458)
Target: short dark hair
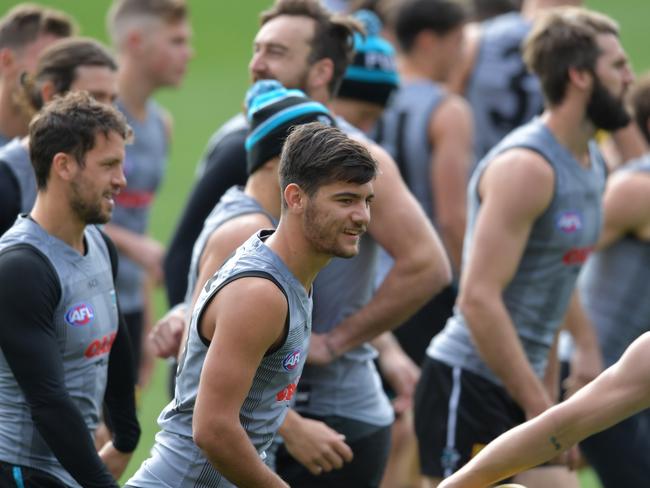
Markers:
point(486, 9)
point(561, 39)
point(415, 16)
point(58, 64)
point(24, 23)
point(122, 12)
point(315, 155)
point(70, 124)
point(333, 34)
point(640, 101)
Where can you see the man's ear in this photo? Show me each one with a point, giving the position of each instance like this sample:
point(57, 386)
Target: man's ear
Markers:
point(64, 166)
point(48, 90)
point(320, 74)
point(295, 198)
point(583, 79)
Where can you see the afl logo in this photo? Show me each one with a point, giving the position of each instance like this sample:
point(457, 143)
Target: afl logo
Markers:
point(292, 360)
point(80, 314)
point(569, 222)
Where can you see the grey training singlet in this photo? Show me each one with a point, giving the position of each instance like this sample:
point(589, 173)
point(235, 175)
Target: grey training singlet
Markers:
point(176, 462)
point(404, 134)
point(85, 323)
point(144, 166)
point(17, 158)
point(350, 386)
point(615, 290)
point(501, 91)
point(234, 203)
point(560, 241)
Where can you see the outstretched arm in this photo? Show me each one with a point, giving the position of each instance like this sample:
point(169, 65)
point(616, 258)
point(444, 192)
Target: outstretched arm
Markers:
point(621, 391)
point(421, 266)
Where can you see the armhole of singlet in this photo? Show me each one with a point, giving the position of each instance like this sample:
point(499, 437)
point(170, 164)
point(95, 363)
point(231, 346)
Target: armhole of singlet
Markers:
point(249, 274)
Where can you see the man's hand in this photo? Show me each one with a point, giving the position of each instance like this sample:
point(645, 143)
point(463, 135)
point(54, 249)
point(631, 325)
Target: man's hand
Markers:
point(321, 351)
point(115, 461)
point(315, 445)
point(166, 336)
point(402, 374)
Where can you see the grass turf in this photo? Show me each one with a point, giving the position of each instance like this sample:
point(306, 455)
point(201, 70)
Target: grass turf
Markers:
point(213, 91)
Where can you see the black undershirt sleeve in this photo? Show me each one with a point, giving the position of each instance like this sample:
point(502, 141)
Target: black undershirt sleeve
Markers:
point(225, 166)
point(29, 294)
point(9, 198)
point(120, 388)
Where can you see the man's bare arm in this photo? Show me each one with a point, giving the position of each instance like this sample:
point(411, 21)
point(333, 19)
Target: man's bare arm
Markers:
point(621, 391)
point(515, 189)
point(451, 134)
point(244, 320)
point(421, 266)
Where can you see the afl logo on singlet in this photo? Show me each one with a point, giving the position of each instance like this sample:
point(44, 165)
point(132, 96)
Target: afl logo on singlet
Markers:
point(80, 314)
point(569, 222)
point(292, 360)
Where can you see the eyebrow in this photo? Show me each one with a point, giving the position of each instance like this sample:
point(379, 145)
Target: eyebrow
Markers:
point(350, 194)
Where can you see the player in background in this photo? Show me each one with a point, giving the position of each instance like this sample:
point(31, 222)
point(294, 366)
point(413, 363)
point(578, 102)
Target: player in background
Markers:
point(68, 64)
point(25, 31)
point(64, 348)
point(152, 41)
point(367, 86)
point(250, 327)
point(534, 217)
point(615, 293)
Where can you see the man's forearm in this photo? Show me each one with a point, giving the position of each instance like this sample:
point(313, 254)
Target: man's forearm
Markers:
point(229, 449)
point(407, 287)
point(497, 342)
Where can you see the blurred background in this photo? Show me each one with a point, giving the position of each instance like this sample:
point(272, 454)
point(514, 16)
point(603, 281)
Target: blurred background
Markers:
point(213, 91)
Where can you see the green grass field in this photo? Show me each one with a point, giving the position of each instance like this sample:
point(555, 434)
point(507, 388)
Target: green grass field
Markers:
point(213, 91)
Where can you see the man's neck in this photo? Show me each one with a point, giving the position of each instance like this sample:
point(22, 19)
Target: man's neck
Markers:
point(134, 90)
point(418, 67)
point(289, 243)
point(263, 186)
point(571, 128)
point(13, 122)
point(53, 214)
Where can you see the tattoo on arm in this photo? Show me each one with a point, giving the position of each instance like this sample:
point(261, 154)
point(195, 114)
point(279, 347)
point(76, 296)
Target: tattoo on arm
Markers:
point(555, 443)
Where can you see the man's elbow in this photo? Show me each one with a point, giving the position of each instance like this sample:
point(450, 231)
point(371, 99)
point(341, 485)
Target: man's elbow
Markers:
point(433, 270)
point(472, 304)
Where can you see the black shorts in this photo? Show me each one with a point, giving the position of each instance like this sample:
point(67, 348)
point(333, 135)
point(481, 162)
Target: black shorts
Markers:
point(456, 414)
point(364, 471)
point(416, 333)
point(24, 477)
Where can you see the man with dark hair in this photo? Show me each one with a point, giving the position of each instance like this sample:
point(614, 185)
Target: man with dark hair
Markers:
point(152, 40)
point(69, 64)
point(534, 217)
point(64, 350)
point(273, 112)
point(250, 327)
point(346, 313)
point(25, 31)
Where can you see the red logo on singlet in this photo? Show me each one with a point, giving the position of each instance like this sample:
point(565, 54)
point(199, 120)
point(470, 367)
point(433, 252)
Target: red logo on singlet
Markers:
point(577, 255)
point(286, 393)
point(100, 346)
